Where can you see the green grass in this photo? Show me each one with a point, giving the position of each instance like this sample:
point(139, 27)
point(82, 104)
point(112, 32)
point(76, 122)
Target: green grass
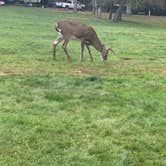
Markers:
point(60, 113)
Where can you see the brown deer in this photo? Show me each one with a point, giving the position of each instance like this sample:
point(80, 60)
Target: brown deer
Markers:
point(86, 34)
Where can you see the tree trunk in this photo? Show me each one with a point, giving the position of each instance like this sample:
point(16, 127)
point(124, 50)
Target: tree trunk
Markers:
point(118, 13)
point(93, 7)
point(75, 6)
point(129, 9)
point(99, 12)
point(110, 10)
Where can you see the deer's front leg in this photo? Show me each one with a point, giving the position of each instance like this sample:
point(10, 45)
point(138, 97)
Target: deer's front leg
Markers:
point(89, 51)
point(82, 51)
point(55, 43)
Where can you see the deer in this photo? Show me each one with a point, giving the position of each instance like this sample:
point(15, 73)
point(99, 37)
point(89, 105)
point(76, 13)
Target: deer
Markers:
point(86, 34)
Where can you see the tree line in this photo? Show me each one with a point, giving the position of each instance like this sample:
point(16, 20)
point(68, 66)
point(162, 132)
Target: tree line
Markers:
point(117, 7)
point(150, 7)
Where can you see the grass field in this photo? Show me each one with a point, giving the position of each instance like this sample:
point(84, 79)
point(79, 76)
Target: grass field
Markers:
point(60, 113)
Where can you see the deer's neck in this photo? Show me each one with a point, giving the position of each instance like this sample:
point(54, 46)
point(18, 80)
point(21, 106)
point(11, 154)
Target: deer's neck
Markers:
point(97, 44)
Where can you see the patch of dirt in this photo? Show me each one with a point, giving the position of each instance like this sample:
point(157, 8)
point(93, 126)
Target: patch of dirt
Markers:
point(129, 59)
point(84, 72)
point(4, 73)
point(145, 69)
point(163, 71)
point(162, 18)
point(16, 72)
point(135, 59)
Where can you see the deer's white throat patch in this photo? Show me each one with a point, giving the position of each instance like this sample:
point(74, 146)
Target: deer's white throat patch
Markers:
point(59, 33)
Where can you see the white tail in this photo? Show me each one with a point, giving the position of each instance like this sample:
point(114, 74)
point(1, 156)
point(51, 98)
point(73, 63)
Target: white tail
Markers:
point(86, 34)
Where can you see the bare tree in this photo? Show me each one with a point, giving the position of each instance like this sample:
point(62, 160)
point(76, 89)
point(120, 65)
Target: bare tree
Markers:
point(118, 13)
point(99, 9)
point(110, 10)
point(94, 4)
point(129, 7)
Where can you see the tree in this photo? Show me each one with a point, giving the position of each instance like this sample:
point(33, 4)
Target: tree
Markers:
point(75, 6)
point(99, 8)
point(129, 7)
point(94, 3)
point(94, 6)
point(118, 13)
point(110, 10)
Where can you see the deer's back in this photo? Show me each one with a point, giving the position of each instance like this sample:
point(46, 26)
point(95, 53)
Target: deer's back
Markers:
point(76, 29)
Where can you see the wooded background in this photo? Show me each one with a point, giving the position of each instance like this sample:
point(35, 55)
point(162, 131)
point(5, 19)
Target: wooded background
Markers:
point(147, 7)
point(116, 7)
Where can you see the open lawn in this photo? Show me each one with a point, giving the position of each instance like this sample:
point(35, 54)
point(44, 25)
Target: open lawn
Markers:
point(60, 113)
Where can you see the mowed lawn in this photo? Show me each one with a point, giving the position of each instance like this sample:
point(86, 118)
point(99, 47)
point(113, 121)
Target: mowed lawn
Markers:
point(60, 113)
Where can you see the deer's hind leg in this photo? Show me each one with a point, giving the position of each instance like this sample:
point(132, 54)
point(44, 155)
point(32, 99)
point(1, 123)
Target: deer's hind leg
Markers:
point(64, 46)
point(55, 43)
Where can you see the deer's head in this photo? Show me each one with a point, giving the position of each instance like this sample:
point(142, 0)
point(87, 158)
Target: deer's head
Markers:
point(104, 53)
